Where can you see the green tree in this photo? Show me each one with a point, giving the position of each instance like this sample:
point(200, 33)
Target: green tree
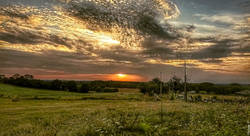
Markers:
point(57, 85)
point(71, 86)
point(28, 76)
point(16, 76)
point(175, 84)
point(85, 88)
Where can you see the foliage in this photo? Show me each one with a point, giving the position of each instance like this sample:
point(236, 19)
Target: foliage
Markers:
point(211, 88)
point(85, 88)
point(153, 87)
point(71, 86)
point(175, 84)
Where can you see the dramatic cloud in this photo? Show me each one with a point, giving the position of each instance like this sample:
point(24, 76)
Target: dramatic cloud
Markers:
point(77, 39)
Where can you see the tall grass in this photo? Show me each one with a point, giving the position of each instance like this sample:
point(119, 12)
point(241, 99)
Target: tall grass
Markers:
point(116, 116)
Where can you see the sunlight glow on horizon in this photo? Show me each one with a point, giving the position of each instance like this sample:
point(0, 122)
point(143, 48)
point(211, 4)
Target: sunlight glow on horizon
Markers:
point(92, 77)
point(121, 75)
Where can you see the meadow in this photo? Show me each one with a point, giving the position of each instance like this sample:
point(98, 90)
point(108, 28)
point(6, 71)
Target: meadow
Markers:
point(34, 112)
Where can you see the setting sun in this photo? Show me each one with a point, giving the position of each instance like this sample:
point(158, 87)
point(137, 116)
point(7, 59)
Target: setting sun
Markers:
point(126, 77)
point(121, 75)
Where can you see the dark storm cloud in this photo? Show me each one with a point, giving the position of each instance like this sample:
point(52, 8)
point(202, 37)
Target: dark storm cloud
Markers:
point(62, 62)
point(100, 16)
point(51, 60)
point(150, 26)
point(72, 63)
point(28, 37)
point(221, 49)
point(13, 12)
point(140, 16)
point(246, 5)
point(37, 3)
point(243, 49)
point(21, 37)
point(153, 49)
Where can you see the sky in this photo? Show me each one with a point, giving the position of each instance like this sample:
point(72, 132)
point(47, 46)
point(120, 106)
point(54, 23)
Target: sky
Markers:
point(126, 40)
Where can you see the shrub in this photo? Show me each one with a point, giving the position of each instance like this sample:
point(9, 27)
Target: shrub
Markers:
point(144, 127)
point(214, 97)
point(143, 90)
point(198, 98)
point(172, 97)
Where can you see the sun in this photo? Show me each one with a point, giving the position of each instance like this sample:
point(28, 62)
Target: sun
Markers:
point(121, 75)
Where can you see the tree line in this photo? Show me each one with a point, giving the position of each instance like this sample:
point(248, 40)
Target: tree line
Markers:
point(176, 85)
point(152, 87)
point(28, 80)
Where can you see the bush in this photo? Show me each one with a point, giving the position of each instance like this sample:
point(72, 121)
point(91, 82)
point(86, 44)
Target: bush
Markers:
point(172, 97)
point(144, 127)
point(198, 98)
point(214, 97)
point(143, 90)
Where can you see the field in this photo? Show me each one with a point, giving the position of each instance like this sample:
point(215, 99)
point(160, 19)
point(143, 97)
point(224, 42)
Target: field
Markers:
point(34, 112)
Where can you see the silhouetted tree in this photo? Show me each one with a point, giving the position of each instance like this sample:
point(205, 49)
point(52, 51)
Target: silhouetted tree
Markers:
point(71, 86)
point(29, 77)
point(175, 84)
point(143, 89)
point(2, 78)
point(151, 87)
point(16, 76)
point(156, 81)
point(84, 88)
point(57, 85)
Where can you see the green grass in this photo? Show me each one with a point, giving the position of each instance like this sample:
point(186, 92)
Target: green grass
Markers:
point(28, 92)
point(124, 113)
point(9, 91)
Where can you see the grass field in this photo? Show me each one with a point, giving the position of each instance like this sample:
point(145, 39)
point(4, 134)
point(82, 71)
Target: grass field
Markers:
point(33, 112)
